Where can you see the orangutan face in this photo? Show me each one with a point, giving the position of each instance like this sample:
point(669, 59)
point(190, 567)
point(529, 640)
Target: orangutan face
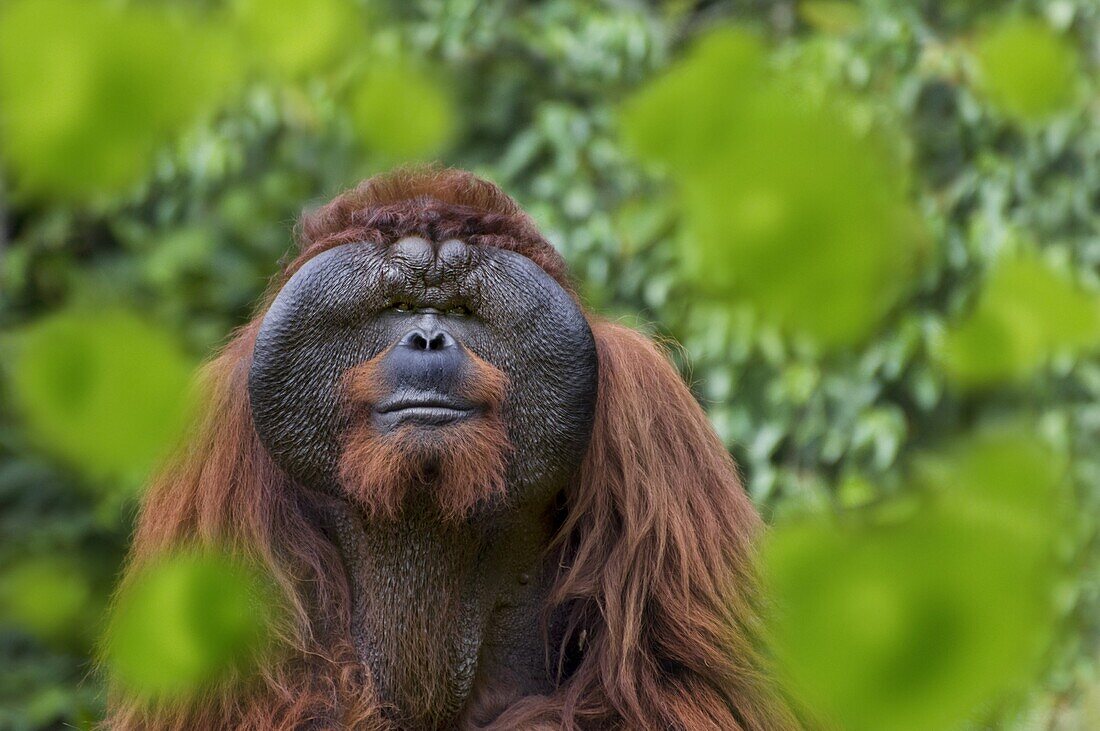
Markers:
point(462, 373)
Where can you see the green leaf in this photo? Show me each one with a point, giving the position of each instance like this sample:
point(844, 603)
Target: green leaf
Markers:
point(103, 390)
point(48, 597)
point(89, 92)
point(402, 113)
point(831, 16)
point(916, 625)
point(1025, 314)
point(785, 205)
point(1026, 68)
point(285, 38)
point(187, 621)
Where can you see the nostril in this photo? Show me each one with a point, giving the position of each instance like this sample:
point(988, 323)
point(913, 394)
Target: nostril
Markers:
point(439, 341)
point(416, 340)
point(420, 340)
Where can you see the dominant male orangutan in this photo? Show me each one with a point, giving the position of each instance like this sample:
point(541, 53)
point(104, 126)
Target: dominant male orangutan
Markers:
point(485, 507)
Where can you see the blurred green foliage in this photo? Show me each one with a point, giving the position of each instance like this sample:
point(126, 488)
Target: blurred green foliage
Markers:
point(89, 92)
point(916, 618)
point(823, 201)
point(51, 598)
point(1027, 68)
point(785, 204)
point(282, 41)
point(425, 118)
point(102, 389)
point(186, 622)
point(1025, 314)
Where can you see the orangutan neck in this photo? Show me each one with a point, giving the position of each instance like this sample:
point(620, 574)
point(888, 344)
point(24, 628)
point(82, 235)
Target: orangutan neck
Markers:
point(433, 604)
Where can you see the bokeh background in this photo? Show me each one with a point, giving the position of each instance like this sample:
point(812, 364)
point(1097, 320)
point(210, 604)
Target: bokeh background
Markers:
point(872, 225)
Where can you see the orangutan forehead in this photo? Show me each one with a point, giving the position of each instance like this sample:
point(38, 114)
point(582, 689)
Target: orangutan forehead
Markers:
point(434, 221)
point(417, 272)
point(432, 265)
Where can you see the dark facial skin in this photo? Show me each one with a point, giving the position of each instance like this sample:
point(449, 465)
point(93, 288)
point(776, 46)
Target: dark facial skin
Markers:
point(466, 592)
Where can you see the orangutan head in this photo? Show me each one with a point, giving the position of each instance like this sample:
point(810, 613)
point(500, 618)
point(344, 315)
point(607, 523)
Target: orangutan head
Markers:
point(444, 372)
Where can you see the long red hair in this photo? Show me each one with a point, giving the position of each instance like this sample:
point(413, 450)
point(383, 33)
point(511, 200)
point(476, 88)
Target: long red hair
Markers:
point(656, 577)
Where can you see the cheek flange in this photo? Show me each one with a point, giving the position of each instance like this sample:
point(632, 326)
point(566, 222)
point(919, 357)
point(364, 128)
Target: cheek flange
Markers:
point(551, 365)
point(317, 327)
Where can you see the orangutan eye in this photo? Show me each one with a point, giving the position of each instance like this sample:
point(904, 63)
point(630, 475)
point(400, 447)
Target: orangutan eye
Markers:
point(401, 306)
point(458, 311)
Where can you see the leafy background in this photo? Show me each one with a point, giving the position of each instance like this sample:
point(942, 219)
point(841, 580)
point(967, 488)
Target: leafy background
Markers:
point(908, 376)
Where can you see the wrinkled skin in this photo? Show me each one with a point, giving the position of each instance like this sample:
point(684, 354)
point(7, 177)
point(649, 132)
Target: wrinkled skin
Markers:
point(438, 604)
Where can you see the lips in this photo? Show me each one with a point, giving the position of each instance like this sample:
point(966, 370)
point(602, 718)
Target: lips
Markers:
point(423, 409)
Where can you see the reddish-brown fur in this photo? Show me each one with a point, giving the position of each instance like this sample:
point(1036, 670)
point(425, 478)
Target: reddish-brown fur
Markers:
point(464, 463)
point(656, 566)
point(438, 204)
point(655, 552)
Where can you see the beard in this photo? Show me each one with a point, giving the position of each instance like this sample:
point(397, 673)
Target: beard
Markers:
point(454, 468)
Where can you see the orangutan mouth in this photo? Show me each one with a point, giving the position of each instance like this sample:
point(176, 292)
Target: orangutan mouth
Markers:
point(422, 408)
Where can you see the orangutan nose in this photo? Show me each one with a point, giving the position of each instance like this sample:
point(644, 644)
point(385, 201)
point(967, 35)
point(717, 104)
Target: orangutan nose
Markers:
point(429, 341)
point(425, 374)
point(426, 368)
